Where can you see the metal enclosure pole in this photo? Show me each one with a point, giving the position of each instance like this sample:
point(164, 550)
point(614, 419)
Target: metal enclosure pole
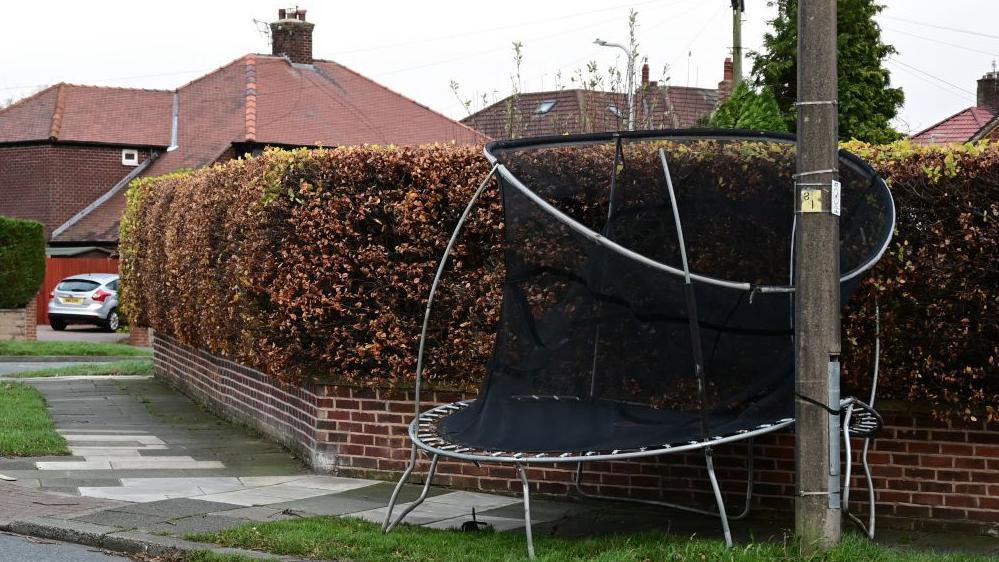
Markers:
point(817, 294)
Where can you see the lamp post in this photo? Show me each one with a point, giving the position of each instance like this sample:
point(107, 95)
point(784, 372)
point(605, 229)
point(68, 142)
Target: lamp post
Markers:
point(631, 79)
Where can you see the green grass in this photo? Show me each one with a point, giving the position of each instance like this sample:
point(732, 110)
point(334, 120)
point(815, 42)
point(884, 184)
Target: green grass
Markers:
point(361, 541)
point(26, 430)
point(22, 348)
point(132, 367)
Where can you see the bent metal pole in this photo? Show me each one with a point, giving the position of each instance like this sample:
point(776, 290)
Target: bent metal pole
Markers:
point(817, 288)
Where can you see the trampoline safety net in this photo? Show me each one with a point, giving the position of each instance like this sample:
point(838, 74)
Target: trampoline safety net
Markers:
point(595, 350)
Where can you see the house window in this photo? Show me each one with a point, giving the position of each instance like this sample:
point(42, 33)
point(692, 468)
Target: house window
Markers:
point(615, 110)
point(129, 157)
point(545, 107)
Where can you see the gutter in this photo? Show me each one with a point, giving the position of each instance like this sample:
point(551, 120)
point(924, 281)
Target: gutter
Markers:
point(110, 193)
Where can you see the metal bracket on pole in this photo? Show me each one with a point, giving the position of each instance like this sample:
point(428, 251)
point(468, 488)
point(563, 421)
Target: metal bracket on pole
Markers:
point(834, 428)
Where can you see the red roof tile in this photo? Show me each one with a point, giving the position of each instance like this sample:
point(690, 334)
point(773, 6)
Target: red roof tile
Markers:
point(68, 112)
point(266, 99)
point(585, 111)
point(959, 128)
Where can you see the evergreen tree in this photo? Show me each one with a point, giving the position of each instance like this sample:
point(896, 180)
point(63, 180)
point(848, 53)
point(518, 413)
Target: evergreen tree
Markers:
point(866, 102)
point(748, 108)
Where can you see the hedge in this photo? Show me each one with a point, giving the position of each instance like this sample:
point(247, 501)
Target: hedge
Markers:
point(22, 261)
point(317, 263)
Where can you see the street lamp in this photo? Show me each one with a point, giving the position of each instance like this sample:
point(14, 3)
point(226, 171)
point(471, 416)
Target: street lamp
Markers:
point(631, 79)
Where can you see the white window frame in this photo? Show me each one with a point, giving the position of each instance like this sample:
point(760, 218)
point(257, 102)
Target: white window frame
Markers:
point(129, 157)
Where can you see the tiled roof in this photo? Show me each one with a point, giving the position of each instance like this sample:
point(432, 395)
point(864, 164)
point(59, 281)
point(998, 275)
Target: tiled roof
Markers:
point(585, 111)
point(960, 127)
point(68, 112)
point(266, 99)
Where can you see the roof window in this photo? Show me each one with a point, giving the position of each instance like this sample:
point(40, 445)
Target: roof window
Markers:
point(545, 107)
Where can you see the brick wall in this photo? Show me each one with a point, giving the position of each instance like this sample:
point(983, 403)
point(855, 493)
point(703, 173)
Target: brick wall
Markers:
point(929, 475)
point(52, 182)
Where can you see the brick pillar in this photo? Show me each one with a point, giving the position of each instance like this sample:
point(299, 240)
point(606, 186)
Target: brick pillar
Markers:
point(140, 336)
point(31, 320)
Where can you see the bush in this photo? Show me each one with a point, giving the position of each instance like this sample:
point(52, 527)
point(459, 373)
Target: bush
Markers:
point(317, 263)
point(22, 261)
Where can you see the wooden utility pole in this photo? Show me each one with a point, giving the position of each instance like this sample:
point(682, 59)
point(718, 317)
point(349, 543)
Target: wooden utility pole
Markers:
point(817, 296)
point(738, 7)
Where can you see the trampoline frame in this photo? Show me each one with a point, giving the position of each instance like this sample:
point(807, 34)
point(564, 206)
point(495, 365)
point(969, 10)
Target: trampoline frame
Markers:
point(421, 428)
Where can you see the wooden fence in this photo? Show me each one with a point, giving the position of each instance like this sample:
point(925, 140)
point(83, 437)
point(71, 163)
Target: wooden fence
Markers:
point(57, 269)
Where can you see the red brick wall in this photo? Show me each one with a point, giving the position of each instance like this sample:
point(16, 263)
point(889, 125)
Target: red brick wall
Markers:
point(929, 475)
point(52, 182)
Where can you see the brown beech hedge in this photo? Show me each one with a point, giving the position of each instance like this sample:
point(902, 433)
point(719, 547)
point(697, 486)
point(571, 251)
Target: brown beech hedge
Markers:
point(317, 263)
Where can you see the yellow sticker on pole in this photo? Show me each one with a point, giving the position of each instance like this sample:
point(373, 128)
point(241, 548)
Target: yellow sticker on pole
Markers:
point(811, 200)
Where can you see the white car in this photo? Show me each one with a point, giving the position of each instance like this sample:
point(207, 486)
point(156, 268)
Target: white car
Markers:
point(87, 298)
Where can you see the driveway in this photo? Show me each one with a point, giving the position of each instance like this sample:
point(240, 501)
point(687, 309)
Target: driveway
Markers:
point(80, 333)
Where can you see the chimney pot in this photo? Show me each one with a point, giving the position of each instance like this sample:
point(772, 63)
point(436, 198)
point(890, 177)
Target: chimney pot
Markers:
point(291, 36)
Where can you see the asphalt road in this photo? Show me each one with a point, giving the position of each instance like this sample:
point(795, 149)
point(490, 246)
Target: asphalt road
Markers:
point(15, 548)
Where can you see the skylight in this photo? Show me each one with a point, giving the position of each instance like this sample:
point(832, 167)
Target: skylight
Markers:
point(545, 107)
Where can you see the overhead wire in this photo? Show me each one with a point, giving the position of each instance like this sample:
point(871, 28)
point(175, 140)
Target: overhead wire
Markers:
point(942, 27)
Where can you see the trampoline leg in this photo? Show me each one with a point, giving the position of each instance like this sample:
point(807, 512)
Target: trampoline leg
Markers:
point(398, 487)
point(419, 500)
point(522, 471)
point(718, 497)
point(749, 482)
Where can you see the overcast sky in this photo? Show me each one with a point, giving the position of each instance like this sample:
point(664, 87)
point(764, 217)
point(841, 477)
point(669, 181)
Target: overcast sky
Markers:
point(418, 48)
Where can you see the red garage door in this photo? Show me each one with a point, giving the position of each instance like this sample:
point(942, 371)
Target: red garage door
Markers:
point(57, 269)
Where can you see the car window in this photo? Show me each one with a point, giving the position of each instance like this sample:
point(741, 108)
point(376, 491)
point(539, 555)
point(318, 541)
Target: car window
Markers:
point(113, 285)
point(78, 285)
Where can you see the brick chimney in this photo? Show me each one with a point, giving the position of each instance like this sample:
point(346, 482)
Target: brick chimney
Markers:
point(291, 36)
point(988, 91)
point(645, 75)
point(725, 86)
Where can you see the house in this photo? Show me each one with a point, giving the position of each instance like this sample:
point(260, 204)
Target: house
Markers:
point(971, 124)
point(68, 152)
point(559, 112)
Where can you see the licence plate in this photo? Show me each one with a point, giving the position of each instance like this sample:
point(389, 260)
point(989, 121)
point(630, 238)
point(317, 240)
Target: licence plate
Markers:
point(71, 300)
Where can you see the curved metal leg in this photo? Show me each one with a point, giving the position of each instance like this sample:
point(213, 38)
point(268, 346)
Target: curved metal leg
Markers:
point(398, 487)
point(419, 500)
point(742, 514)
point(527, 510)
point(718, 497)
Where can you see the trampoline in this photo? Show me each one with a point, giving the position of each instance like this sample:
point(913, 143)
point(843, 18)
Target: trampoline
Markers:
point(647, 306)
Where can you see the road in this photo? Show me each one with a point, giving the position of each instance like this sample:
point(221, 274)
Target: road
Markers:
point(15, 548)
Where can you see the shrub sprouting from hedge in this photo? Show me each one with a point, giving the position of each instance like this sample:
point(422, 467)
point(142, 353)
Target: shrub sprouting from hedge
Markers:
point(22, 261)
point(317, 263)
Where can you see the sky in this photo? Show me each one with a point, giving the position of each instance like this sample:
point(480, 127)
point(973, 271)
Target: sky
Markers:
point(420, 48)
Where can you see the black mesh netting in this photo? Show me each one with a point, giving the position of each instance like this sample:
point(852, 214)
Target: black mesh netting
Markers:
point(593, 351)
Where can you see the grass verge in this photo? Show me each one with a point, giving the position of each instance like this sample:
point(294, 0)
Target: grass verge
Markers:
point(132, 367)
point(361, 541)
point(23, 348)
point(26, 430)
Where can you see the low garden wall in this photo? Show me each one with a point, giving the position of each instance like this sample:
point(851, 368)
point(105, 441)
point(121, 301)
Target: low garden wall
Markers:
point(287, 292)
point(929, 475)
point(19, 323)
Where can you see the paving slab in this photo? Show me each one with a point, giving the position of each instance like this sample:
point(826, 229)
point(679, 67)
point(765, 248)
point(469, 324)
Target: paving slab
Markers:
point(181, 507)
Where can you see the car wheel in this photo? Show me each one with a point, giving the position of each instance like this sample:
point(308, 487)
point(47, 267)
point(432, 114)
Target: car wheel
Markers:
point(57, 325)
point(113, 321)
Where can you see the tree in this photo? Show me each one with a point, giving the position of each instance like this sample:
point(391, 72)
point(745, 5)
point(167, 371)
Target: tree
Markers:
point(749, 108)
point(866, 102)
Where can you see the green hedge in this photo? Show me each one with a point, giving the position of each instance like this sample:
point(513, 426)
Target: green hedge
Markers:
point(22, 261)
point(317, 264)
